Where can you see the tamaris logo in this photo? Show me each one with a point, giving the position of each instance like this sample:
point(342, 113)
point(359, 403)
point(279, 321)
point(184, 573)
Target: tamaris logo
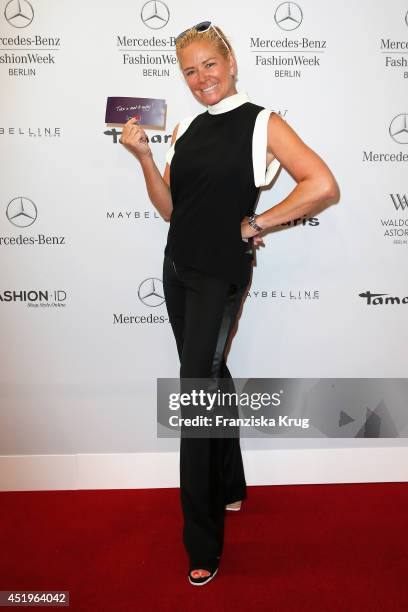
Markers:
point(382, 299)
point(153, 139)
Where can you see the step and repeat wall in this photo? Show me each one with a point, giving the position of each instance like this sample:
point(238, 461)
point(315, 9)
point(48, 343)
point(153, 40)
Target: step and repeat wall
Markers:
point(84, 328)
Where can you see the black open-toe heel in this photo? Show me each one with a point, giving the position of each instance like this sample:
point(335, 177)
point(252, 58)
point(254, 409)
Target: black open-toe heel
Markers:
point(203, 574)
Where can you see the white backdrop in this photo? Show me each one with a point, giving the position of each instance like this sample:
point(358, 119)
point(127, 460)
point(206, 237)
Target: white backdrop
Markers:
point(77, 381)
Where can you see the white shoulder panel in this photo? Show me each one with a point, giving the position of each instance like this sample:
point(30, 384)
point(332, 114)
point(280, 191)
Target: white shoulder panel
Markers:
point(263, 176)
point(183, 125)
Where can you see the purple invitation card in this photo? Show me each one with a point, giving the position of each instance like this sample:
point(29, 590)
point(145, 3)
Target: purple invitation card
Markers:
point(150, 112)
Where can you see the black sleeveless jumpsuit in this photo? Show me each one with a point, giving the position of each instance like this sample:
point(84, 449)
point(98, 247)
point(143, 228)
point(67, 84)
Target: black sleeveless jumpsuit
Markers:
point(206, 269)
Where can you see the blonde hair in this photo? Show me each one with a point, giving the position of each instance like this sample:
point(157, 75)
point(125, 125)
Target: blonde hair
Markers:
point(211, 35)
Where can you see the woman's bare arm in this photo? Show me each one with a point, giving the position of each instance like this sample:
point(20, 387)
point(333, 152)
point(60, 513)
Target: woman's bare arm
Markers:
point(316, 186)
point(135, 140)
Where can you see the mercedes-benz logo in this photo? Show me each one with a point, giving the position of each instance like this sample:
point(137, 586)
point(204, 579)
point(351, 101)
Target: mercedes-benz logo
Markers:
point(21, 212)
point(150, 292)
point(399, 128)
point(19, 13)
point(288, 16)
point(155, 14)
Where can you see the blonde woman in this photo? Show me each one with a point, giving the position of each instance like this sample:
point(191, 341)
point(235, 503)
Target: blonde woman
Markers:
point(215, 166)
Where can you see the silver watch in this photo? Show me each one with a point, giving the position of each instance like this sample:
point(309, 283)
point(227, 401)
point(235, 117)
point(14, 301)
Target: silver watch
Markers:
point(252, 223)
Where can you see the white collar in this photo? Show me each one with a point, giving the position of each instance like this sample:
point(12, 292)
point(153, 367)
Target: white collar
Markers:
point(229, 103)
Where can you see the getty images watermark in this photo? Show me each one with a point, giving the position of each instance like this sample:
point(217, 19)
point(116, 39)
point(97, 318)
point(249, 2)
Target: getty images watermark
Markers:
point(216, 408)
point(288, 407)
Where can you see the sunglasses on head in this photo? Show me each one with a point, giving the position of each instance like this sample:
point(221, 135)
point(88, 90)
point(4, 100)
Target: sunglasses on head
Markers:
point(201, 27)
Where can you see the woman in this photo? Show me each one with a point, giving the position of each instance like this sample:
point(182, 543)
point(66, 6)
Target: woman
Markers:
point(216, 163)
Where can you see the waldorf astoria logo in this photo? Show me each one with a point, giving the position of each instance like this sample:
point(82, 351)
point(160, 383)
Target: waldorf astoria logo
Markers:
point(394, 53)
point(23, 55)
point(395, 229)
point(149, 54)
point(398, 132)
point(400, 201)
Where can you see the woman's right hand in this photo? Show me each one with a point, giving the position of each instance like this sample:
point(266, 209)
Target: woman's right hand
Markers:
point(135, 140)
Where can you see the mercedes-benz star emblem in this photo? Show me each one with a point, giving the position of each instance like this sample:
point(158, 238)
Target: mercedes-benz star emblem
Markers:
point(19, 13)
point(150, 292)
point(399, 128)
point(155, 14)
point(21, 212)
point(288, 16)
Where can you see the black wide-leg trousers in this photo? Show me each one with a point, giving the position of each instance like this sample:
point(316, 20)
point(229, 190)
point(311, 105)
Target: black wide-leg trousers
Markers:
point(202, 312)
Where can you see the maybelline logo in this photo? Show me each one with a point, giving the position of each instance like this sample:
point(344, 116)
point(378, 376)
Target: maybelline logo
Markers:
point(382, 299)
point(150, 293)
point(286, 294)
point(31, 132)
point(54, 298)
point(133, 215)
point(394, 51)
point(146, 51)
point(23, 212)
point(398, 131)
point(153, 139)
point(288, 55)
point(26, 52)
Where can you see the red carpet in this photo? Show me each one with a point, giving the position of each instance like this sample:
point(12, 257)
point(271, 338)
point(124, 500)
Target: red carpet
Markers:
point(291, 548)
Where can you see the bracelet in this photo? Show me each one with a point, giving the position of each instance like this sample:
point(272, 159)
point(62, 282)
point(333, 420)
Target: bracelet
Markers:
point(253, 224)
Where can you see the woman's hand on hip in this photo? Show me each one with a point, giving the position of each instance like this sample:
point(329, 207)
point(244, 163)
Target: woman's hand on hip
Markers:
point(249, 232)
point(135, 139)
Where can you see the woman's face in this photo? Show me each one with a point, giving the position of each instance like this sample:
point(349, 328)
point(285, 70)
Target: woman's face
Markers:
point(207, 72)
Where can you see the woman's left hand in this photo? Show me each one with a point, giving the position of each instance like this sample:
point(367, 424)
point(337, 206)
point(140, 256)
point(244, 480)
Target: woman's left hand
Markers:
point(249, 232)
